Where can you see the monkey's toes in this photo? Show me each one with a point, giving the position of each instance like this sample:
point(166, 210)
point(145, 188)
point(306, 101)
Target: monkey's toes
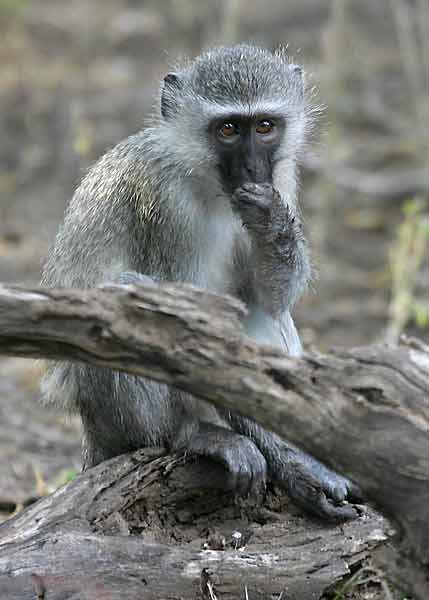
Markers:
point(321, 492)
point(336, 513)
point(310, 496)
point(247, 468)
point(340, 489)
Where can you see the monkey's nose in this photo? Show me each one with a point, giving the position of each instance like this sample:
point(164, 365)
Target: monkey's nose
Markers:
point(257, 171)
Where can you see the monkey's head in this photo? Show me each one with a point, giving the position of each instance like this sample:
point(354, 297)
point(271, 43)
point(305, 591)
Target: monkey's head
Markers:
point(244, 109)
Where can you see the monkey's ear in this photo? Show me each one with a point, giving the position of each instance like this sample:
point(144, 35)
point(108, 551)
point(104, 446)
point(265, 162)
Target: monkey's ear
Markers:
point(170, 87)
point(298, 78)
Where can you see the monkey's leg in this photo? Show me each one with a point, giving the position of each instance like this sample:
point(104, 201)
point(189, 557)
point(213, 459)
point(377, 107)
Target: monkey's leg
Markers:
point(309, 483)
point(247, 468)
point(120, 412)
point(193, 426)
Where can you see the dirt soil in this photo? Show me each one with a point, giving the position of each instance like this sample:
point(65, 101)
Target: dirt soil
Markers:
point(77, 77)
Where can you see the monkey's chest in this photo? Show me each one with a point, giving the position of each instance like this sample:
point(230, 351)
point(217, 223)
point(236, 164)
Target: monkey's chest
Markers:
point(211, 264)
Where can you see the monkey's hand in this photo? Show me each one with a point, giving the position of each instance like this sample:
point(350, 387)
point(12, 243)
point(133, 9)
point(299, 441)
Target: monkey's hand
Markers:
point(281, 264)
point(245, 464)
point(316, 488)
point(264, 214)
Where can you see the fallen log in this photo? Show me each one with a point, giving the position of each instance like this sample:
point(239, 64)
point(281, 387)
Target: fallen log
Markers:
point(364, 412)
point(152, 527)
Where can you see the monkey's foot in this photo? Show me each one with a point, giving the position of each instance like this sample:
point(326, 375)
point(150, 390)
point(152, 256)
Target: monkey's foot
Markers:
point(246, 466)
point(319, 490)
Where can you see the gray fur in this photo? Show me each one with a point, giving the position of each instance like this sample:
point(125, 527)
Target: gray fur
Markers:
point(155, 205)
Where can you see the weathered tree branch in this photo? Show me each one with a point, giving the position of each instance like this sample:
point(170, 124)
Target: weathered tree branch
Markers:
point(364, 412)
point(77, 542)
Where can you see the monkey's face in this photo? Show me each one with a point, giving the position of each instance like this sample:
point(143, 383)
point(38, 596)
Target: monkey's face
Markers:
point(246, 148)
point(237, 115)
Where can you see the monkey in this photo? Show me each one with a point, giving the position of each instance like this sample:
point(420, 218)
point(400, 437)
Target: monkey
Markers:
point(205, 194)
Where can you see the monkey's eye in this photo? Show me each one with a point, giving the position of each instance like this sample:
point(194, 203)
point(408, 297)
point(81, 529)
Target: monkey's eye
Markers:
point(228, 130)
point(264, 126)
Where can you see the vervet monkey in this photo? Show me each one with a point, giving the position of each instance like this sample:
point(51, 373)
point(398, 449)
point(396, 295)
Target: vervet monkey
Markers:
point(206, 195)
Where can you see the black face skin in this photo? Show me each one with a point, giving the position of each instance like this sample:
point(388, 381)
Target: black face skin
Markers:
point(246, 148)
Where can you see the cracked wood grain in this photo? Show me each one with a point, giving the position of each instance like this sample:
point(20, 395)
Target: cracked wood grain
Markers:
point(365, 412)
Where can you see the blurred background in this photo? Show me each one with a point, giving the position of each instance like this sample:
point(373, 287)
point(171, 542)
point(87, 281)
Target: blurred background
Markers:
point(77, 76)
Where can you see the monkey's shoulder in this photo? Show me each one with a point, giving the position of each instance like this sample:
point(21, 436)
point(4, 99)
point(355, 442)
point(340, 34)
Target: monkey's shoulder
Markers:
point(123, 175)
point(123, 161)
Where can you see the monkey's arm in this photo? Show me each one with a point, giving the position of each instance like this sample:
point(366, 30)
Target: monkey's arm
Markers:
point(279, 263)
point(278, 259)
point(273, 272)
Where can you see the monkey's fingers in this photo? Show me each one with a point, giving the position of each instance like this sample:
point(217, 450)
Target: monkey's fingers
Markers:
point(331, 512)
point(257, 189)
point(244, 483)
point(247, 468)
point(338, 488)
point(309, 494)
point(253, 195)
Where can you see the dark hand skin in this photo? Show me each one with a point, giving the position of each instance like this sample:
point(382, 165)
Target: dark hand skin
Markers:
point(245, 465)
point(251, 455)
point(279, 247)
point(315, 487)
point(308, 482)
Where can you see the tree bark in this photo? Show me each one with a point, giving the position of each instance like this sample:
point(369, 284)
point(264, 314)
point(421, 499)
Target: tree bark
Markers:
point(364, 412)
point(147, 526)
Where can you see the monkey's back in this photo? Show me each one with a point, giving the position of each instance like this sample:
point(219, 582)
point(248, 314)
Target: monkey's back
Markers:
point(102, 232)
